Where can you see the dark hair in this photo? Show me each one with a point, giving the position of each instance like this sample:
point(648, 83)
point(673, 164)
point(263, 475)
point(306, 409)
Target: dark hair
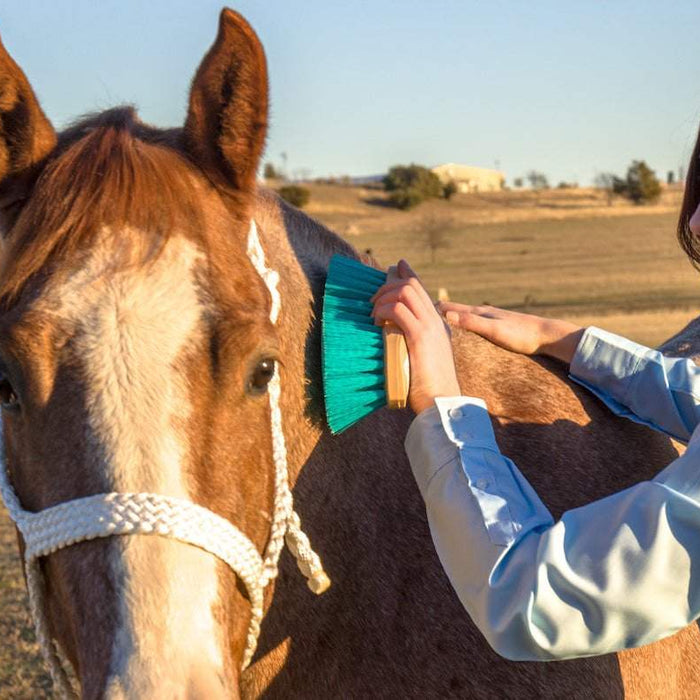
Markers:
point(691, 199)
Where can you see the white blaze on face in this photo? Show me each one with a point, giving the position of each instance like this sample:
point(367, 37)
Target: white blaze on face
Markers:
point(132, 326)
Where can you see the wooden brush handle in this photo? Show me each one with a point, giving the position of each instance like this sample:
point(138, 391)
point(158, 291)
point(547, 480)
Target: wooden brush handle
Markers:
point(397, 375)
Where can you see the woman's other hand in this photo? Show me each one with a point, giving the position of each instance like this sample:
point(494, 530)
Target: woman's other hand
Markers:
point(404, 302)
point(523, 333)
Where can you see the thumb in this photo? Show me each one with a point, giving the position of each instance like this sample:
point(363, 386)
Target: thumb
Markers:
point(405, 270)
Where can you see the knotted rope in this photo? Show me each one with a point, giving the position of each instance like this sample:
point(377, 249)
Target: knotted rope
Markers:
point(104, 515)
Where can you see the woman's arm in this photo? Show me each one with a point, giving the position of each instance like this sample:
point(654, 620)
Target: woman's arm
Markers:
point(634, 381)
point(617, 573)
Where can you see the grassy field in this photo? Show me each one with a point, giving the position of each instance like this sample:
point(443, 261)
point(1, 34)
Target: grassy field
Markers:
point(22, 673)
point(562, 253)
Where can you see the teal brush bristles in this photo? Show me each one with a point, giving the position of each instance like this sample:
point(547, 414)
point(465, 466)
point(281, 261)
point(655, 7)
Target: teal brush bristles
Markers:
point(352, 346)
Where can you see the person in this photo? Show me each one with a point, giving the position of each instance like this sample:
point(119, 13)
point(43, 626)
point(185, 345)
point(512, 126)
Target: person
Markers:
point(617, 573)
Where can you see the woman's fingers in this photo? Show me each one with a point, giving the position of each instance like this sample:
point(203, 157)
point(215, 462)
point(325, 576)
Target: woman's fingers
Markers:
point(459, 311)
point(509, 329)
point(395, 283)
point(405, 270)
point(404, 302)
point(392, 274)
point(483, 325)
point(399, 314)
point(516, 331)
point(402, 277)
point(410, 297)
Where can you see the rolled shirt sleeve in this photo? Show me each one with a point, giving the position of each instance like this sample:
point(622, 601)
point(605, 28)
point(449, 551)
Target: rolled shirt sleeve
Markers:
point(639, 383)
point(617, 573)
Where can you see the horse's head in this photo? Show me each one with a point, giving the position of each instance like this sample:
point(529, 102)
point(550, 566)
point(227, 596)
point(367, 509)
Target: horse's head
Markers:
point(136, 348)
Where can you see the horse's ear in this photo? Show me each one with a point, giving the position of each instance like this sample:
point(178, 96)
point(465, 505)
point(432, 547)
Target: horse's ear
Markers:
point(26, 135)
point(227, 120)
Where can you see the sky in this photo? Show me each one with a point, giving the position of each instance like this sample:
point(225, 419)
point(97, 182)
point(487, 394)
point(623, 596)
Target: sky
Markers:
point(567, 88)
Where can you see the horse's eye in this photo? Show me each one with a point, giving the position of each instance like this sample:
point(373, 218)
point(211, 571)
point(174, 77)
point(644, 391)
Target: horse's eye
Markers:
point(8, 397)
point(262, 374)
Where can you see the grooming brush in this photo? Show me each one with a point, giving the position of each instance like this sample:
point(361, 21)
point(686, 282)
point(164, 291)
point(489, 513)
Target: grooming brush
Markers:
point(365, 366)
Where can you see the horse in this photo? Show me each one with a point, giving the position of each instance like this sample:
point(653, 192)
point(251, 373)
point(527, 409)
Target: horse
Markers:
point(139, 344)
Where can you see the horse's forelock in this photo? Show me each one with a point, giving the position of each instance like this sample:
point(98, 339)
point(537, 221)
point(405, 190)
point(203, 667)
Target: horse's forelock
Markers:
point(107, 170)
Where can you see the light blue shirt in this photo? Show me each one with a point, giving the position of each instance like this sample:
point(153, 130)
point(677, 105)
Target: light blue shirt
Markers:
point(620, 572)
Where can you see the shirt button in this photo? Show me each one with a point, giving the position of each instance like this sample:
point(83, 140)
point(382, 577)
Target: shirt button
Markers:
point(482, 484)
point(456, 413)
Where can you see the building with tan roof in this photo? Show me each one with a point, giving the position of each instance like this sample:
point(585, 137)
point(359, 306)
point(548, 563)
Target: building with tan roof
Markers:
point(468, 178)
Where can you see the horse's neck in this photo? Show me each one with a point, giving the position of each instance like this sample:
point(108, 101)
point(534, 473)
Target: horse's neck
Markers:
point(362, 510)
point(310, 243)
point(361, 475)
point(539, 415)
point(364, 468)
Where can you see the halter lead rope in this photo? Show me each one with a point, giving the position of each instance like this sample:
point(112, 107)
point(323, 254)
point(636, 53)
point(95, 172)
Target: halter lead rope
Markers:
point(107, 514)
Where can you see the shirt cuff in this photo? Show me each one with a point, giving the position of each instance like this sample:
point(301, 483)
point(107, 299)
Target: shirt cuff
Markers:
point(605, 361)
point(439, 432)
point(455, 437)
point(466, 422)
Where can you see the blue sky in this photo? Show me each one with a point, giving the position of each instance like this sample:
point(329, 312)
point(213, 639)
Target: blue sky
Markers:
point(567, 88)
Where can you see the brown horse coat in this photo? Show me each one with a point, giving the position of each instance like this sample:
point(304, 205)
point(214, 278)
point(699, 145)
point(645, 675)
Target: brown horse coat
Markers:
point(391, 625)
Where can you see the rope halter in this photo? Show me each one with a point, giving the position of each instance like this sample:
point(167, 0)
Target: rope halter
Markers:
point(107, 514)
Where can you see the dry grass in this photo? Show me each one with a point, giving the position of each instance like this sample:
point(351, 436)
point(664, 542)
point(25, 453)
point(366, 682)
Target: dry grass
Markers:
point(22, 673)
point(565, 253)
point(366, 209)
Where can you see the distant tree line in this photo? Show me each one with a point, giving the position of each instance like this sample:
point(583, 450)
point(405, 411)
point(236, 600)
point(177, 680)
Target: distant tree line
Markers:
point(270, 172)
point(409, 185)
point(640, 185)
point(296, 195)
point(537, 180)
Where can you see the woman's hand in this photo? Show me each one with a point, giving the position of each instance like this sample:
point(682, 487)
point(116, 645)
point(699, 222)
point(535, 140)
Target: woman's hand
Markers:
point(404, 302)
point(523, 333)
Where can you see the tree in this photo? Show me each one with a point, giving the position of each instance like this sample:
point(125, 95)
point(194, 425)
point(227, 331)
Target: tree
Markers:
point(448, 189)
point(642, 185)
point(270, 172)
point(295, 194)
point(409, 185)
point(619, 186)
point(435, 230)
point(517, 182)
point(537, 180)
point(606, 182)
point(405, 199)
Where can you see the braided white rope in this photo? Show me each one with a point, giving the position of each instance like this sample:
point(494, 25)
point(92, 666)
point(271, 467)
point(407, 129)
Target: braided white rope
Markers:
point(105, 515)
point(285, 521)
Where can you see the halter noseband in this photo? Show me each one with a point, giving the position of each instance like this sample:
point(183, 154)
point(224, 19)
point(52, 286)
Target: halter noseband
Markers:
point(107, 514)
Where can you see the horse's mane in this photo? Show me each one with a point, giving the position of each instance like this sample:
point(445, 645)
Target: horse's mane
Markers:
point(108, 170)
point(312, 243)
